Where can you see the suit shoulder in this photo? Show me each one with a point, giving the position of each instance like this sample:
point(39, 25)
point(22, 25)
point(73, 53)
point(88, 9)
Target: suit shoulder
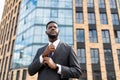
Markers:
point(42, 48)
point(66, 45)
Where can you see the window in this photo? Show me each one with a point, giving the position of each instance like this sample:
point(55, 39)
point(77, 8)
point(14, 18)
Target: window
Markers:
point(118, 52)
point(81, 55)
point(90, 3)
point(21, 54)
point(112, 3)
point(12, 75)
point(109, 64)
point(103, 18)
point(8, 46)
point(18, 75)
point(97, 75)
point(79, 3)
point(13, 21)
point(80, 35)
point(94, 56)
point(15, 9)
point(6, 62)
point(5, 49)
point(79, 17)
point(25, 20)
point(117, 36)
point(12, 46)
point(0, 64)
point(0, 67)
point(54, 13)
point(24, 75)
point(23, 38)
point(91, 18)
point(95, 64)
point(93, 35)
point(54, 3)
point(8, 32)
point(115, 19)
point(15, 29)
point(101, 3)
point(105, 36)
point(9, 66)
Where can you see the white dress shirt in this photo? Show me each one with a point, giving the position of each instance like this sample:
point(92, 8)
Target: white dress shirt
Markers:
point(55, 43)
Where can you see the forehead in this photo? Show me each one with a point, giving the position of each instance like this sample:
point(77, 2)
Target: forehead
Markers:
point(52, 24)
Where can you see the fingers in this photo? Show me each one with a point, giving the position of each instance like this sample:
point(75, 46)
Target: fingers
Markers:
point(48, 50)
point(48, 61)
point(46, 58)
point(52, 48)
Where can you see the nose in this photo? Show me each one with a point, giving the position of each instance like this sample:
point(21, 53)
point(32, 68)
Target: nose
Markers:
point(53, 27)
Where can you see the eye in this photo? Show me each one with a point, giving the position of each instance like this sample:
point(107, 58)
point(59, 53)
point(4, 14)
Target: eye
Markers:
point(55, 26)
point(49, 27)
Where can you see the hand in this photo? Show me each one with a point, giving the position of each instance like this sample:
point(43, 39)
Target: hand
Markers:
point(48, 50)
point(49, 62)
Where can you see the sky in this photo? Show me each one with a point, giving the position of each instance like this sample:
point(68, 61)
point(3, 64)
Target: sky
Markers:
point(1, 8)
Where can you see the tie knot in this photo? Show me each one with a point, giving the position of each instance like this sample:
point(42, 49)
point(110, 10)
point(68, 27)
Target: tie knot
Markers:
point(52, 46)
point(51, 54)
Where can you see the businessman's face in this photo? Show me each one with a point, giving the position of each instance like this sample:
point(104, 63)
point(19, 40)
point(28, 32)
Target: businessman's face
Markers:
point(52, 30)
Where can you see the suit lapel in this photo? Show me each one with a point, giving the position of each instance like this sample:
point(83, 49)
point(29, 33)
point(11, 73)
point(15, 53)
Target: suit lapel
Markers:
point(57, 50)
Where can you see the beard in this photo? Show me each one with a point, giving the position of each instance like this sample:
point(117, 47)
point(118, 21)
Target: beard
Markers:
point(52, 36)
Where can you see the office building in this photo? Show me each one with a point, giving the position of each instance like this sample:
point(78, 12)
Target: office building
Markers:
point(92, 27)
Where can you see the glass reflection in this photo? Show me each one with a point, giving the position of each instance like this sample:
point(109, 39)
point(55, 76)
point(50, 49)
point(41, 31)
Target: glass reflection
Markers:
point(33, 16)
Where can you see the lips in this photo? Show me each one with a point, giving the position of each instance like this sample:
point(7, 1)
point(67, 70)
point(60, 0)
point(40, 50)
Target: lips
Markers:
point(53, 32)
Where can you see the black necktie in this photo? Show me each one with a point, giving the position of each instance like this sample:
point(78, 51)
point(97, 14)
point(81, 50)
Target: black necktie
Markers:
point(50, 55)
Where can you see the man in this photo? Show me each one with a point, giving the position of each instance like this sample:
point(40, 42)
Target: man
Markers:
point(55, 61)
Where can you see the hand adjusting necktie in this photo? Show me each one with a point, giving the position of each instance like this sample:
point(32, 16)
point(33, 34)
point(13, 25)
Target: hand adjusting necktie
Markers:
point(51, 54)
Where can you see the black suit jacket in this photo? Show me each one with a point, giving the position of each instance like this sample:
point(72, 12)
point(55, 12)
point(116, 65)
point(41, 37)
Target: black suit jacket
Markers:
point(63, 55)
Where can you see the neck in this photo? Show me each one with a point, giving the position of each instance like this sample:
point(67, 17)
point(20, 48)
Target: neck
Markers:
point(52, 40)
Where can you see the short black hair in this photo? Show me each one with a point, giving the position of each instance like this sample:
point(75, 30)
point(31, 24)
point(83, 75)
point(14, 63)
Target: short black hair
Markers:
point(50, 22)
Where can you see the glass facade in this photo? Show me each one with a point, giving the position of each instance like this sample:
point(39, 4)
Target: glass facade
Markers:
point(81, 56)
point(109, 64)
point(101, 3)
point(115, 19)
point(118, 53)
point(90, 3)
point(79, 17)
point(94, 56)
point(80, 35)
point(91, 18)
point(33, 17)
point(79, 3)
point(95, 61)
point(105, 36)
point(112, 4)
point(93, 35)
point(117, 36)
point(103, 18)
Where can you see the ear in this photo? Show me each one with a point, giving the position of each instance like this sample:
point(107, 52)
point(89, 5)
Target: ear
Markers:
point(58, 31)
point(46, 32)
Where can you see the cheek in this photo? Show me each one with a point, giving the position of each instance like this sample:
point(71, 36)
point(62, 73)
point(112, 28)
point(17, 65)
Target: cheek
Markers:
point(46, 32)
point(57, 31)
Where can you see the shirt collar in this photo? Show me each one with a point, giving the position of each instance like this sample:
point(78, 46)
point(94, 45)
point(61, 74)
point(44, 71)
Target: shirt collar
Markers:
point(55, 43)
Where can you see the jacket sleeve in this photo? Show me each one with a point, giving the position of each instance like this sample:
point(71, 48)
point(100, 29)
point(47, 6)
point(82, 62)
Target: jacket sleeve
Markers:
point(35, 66)
point(73, 70)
